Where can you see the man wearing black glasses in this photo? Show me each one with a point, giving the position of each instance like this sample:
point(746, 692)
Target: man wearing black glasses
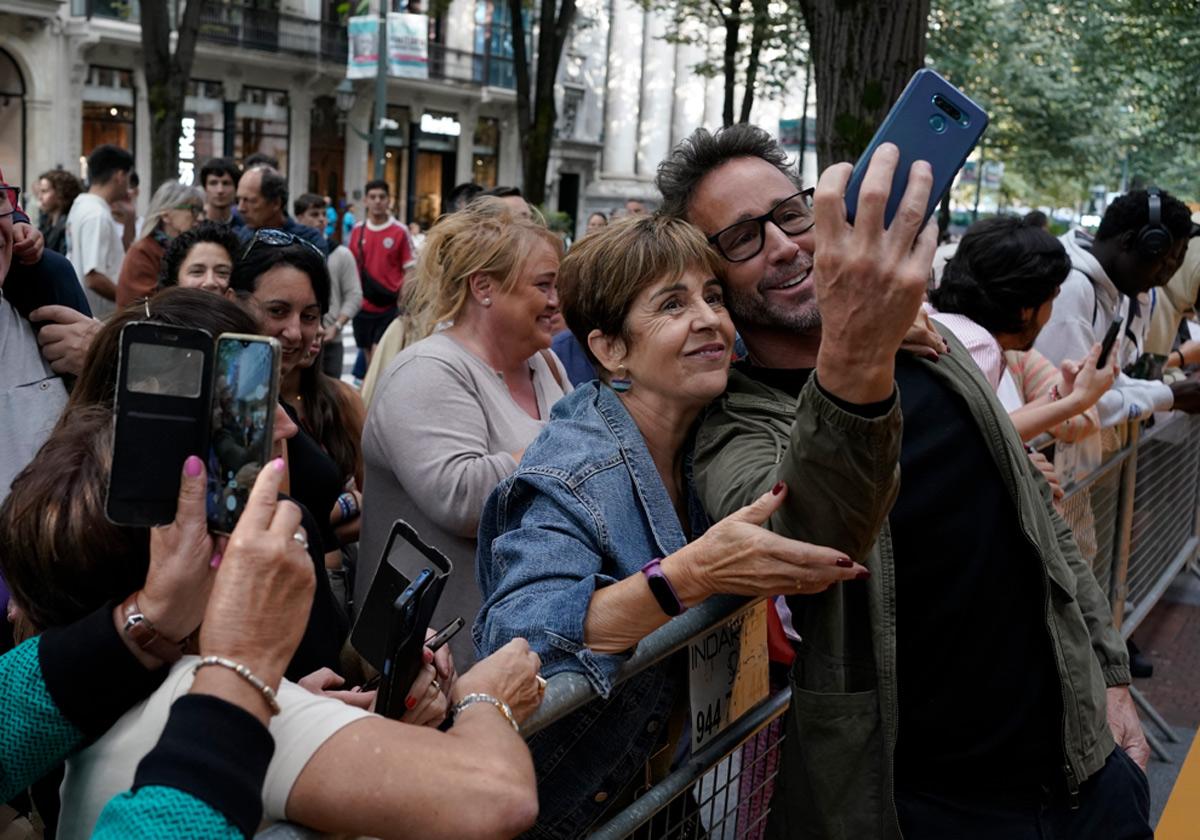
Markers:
point(974, 686)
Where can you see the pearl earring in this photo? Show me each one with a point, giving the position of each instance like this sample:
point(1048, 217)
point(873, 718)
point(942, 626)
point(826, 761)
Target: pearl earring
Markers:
point(621, 382)
point(487, 301)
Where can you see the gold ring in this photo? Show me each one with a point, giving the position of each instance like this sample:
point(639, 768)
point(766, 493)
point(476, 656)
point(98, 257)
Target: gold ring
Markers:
point(541, 681)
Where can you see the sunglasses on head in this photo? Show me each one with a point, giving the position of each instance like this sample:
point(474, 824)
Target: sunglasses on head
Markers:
point(276, 238)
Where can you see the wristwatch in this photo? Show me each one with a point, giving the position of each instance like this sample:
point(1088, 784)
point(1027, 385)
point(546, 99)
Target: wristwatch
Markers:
point(137, 627)
point(661, 588)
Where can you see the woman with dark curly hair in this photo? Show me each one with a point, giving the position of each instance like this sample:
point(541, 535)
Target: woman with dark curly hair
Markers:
point(56, 192)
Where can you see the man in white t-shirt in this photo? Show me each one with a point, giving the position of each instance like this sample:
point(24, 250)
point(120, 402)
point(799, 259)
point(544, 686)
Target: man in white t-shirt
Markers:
point(94, 241)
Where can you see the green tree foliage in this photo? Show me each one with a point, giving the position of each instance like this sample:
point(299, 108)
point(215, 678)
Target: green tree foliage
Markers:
point(1081, 92)
point(764, 45)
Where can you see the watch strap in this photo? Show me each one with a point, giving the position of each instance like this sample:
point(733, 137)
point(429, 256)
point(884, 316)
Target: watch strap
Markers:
point(137, 627)
point(662, 590)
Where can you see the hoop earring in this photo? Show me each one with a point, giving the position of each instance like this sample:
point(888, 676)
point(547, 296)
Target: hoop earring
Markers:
point(621, 383)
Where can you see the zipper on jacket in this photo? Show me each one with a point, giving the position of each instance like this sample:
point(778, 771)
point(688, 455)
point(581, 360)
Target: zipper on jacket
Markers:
point(1065, 689)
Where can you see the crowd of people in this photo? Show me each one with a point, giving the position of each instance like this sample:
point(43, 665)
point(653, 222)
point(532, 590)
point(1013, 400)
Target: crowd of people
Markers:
point(740, 393)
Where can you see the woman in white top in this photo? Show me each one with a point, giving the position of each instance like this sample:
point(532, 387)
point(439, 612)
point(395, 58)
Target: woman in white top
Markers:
point(453, 412)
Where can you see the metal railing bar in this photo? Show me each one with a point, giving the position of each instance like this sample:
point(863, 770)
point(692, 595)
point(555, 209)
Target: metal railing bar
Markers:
point(1146, 603)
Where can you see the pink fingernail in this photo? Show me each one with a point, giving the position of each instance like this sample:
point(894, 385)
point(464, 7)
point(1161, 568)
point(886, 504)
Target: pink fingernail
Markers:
point(278, 464)
point(215, 561)
point(192, 466)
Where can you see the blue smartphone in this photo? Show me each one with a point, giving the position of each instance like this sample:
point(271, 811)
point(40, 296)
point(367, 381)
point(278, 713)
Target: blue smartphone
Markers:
point(932, 121)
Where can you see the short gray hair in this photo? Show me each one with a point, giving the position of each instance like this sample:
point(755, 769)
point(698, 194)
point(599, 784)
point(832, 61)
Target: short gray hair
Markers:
point(703, 151)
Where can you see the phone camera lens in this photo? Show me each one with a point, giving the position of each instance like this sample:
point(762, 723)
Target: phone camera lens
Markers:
point(938, 123)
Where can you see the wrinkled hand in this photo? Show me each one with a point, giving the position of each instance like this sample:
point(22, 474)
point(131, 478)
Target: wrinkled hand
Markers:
point(923, 339)
point(28, 243)
point(1048, 472)
point(739, 557)
point(509, 674)
point(426, 702)
point(1125, 726)
point(65, 337)
point(183, 559)
point(869, 280)
point(264, 586)
point(1086, 383)
point(325, 682)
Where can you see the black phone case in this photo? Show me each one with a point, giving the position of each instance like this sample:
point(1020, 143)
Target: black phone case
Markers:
point(154, 433)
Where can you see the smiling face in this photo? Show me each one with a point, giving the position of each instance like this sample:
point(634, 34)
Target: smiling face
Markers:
point(680, 339)
point(290, 312)
point(774, 289)
point(206, 266)
point(527, 310)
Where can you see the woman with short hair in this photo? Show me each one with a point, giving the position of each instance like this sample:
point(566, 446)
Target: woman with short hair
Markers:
point(453, 412)
point(201, 258)
point(599, 538)
point(173, 210)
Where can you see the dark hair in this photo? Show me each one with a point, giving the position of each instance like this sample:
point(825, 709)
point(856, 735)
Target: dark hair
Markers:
point(181, 246)
point(59, 554)
point(1001, 267)
point(219, 166)
point(326, 410)
point(1036, 218)
point(462, 195)
point(261, 258)
point(174, 307)
point(1130, 212)
point(261, 159)
point(135, 180)
point(377, 184)
point(106, 161)
point(598, 213)
point(273, 187)
point(305, 201)
point(66, 185)
point(703, 151)
point(503, 192)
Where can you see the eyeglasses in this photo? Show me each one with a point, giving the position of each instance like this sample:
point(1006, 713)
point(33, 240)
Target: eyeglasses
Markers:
point(195, 209)
point(743, 240)
point(9, 199)
point(278, 239)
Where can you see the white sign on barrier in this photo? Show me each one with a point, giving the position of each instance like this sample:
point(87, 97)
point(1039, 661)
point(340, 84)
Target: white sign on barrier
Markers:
point(727, 672)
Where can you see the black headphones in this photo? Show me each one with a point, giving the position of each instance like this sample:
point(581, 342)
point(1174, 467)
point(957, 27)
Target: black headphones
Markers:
point(1154, 240)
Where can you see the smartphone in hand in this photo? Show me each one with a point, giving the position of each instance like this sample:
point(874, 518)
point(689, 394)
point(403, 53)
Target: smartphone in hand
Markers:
point(1110, 338)
point(932, 121)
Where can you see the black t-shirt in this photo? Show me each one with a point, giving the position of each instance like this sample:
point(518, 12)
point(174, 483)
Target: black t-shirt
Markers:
point(980, 707)
point(316, 480)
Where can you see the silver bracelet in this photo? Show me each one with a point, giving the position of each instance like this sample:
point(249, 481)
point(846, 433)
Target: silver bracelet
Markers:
point(245, 673)
point(472, 699)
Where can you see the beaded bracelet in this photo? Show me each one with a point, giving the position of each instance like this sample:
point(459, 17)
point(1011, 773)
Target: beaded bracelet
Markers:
point(471, 699)
point(348, 505)
point(242, 671)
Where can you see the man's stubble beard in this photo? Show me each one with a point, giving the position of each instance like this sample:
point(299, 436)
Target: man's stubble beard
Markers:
point(753, 310)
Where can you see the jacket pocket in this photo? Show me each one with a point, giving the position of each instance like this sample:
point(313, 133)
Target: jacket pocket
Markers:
point(831, 781)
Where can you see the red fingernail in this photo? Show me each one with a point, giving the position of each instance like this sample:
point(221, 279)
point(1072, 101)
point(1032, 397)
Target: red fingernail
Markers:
point(845, 562)
point(777, 489)
point(215, 561)
point(192, 466)
point(863, 575)
point(428, 654)
point(410, 703)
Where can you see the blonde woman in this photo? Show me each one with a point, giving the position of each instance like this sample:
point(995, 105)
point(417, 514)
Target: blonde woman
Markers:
point(173, 210)
point(454, 411)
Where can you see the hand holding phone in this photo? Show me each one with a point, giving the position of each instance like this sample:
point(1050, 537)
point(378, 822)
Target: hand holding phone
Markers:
point(1110, 338)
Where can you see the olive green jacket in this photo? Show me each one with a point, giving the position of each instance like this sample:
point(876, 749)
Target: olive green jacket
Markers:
point(843, 474)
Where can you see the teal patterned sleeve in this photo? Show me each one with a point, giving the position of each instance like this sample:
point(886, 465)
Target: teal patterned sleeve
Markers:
point(154, 812)
point(34, 733)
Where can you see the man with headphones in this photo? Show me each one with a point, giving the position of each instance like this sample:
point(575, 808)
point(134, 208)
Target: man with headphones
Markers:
point(1140, 243)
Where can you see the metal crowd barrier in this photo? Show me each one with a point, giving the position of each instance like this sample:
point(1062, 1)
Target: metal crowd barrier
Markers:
point(1137, 521)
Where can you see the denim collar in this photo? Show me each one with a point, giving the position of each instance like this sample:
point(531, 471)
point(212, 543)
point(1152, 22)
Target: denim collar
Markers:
point(647, 483)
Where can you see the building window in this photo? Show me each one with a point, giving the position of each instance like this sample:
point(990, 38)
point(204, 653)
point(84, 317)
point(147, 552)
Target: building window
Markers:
point(485, 152)
point(493, 44)
point(108, 111)
point(12, 121)
point(262, 125)
point(572, 103)
point(205, 106)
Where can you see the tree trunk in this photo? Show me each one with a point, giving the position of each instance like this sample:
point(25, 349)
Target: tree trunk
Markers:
point(167, 76)
point(762, 20)
point(536, 109)
point(864, 53)
point(733, 25)
point(804, 113)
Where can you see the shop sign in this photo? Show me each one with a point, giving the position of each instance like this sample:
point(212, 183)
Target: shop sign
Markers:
point(187, 151)
point(447, 126)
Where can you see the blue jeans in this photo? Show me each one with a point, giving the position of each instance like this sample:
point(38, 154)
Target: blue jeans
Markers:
point(1114, 804)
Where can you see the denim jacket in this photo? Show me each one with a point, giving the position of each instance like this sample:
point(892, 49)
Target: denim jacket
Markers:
point(585, 509)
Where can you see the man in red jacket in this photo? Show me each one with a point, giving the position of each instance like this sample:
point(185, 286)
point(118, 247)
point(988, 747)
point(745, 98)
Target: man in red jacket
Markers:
point(381, 248)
